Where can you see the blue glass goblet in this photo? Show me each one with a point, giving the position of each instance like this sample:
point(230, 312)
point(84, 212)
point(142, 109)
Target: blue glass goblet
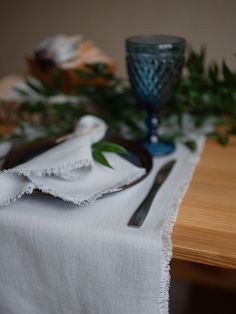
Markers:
point(154, 64)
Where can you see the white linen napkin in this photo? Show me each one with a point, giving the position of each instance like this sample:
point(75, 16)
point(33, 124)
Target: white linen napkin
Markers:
point(68, 170)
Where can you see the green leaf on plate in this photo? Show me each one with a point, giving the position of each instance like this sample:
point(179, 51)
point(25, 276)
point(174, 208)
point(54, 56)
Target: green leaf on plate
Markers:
point(105, 146)
point(100, 158)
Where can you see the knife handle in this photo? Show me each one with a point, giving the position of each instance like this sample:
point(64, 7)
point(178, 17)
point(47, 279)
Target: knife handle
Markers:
point(141, 212)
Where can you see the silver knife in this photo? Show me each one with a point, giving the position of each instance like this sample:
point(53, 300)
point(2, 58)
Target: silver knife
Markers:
point(141, 212)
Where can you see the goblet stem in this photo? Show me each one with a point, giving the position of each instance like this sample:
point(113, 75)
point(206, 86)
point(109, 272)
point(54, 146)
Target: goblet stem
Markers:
point(153, 123)
point(153, 144)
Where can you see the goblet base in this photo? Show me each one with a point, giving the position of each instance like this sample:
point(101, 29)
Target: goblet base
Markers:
point(160, 148)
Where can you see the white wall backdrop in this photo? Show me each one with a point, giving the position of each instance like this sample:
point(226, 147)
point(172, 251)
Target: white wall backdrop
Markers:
point(23, 23)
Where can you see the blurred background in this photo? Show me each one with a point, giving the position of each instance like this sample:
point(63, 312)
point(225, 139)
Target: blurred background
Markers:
point(209, 23)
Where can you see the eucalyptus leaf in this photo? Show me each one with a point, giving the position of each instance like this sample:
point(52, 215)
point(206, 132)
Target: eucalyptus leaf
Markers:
point(100, 158)
point(105, 146)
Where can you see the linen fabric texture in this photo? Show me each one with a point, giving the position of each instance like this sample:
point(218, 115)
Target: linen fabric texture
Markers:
point(68, 170)
point(60, 258)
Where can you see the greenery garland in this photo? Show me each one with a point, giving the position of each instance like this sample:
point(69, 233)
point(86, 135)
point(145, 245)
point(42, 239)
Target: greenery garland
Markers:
point(204, 92)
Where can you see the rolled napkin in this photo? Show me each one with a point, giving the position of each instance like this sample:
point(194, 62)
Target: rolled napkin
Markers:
point(68, 170)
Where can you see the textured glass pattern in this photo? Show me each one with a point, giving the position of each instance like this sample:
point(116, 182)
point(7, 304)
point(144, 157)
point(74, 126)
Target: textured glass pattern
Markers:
point(153, 77)
point(154, 64)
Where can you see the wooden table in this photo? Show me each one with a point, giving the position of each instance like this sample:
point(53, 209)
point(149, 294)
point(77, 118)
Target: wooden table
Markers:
point(205, 231)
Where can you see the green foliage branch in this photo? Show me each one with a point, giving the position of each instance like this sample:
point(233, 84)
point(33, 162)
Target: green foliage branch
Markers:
point(205, 92)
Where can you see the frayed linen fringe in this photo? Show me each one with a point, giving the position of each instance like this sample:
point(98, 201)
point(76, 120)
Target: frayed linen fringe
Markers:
point(166, 243)
point(28, 189)
point(60, 169)
point(89, 199)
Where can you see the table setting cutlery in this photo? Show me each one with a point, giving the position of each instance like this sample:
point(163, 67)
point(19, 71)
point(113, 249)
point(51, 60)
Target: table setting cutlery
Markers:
point(141, 212)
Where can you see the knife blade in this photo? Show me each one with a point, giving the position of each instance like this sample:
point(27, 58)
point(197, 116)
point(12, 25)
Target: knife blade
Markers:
point(141, 212)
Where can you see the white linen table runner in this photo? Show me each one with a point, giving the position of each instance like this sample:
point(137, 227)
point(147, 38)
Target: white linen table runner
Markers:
point(59, 258)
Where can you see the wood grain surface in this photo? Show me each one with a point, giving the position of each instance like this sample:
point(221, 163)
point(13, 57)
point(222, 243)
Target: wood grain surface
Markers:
point(205, 230)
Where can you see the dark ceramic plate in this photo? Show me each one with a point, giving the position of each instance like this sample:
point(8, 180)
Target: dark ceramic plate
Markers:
point(137, 155)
